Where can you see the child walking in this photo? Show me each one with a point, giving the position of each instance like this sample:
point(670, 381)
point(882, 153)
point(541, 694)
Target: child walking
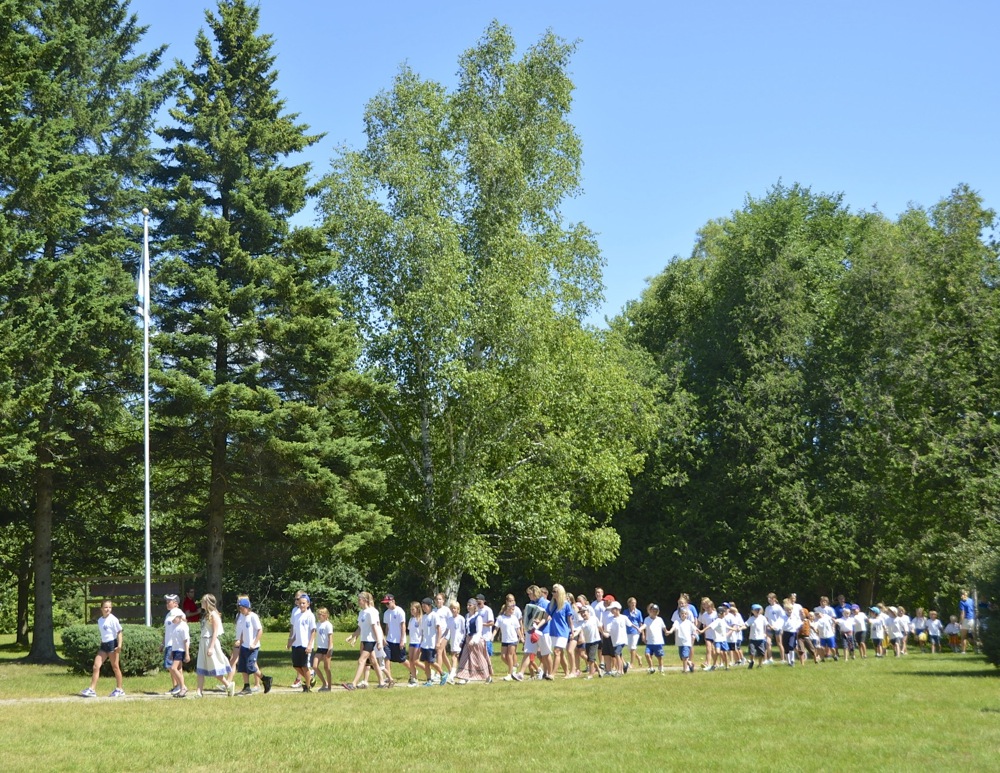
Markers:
point(179, 649)
point(211, 660)
point(324, 642)
point(110, 649)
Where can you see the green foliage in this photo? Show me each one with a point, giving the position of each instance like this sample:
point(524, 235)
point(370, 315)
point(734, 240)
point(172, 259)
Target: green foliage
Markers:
point(140, 652)
point(507, 429)
point(826, 381)
point(257, 417)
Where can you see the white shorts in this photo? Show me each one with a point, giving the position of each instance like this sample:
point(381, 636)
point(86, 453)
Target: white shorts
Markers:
point(544, 644)
point(560, 642)
point(529, 645)
point(969, 625)
point(633, 641)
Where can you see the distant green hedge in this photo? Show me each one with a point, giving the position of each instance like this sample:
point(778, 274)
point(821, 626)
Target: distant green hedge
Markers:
point(140, 649)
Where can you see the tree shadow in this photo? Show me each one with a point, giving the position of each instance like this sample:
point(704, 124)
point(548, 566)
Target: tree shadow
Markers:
point(978, 673)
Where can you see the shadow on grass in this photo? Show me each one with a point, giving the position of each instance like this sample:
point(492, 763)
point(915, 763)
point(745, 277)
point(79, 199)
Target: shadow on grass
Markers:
point(978, 673)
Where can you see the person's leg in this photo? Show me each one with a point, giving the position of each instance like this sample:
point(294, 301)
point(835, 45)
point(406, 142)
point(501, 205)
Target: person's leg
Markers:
point(96, 673)
point(116, 668)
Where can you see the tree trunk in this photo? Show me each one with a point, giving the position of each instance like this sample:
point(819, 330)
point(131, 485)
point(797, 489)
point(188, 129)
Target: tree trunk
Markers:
point(216, 521)
point(23, 597)
point(43, 648)
point(866, 593)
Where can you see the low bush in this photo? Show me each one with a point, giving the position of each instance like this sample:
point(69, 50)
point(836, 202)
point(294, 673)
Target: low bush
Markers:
point(140, 649)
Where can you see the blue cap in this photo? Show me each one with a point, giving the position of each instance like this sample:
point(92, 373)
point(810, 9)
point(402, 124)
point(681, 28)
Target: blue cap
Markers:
point(755, 606)
point(243, 603)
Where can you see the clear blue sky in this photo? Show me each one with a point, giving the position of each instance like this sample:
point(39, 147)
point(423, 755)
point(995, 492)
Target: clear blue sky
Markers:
point(684, 109)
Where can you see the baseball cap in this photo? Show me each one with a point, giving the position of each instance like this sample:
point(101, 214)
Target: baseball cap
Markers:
point(175, 612)
point(170, 597)
point(388, 597)
point(755, 606)
point(246, 602)
point(614, 605)
point(480, 597)
point(428, 601)
point(608, 598)
point(654, 607)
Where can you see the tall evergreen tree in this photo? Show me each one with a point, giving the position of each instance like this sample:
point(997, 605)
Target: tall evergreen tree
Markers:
point(77, 107)
point(255, 395)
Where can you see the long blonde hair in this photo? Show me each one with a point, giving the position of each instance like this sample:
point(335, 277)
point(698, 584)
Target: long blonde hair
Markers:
point(559, 596)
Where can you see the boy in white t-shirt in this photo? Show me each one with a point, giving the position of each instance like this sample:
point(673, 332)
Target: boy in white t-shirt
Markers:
point(394, 619)
point(302, 639)
point(684, 631)
point(432, 632)
point(934, 629)
point(757, 631)
point(248, 633)
point(653, 630)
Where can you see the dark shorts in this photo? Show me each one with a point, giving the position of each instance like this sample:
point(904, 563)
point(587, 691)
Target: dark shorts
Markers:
point(757, 648)
point(848, 641)
point(607, 648)
point(368, 646)
point(247, 663)
point(509, 644)
point(300, 659)
point(684, 651)
point(322, 650)
point(619, 648)
point(592, 650)
point(396, 654)
point(177, 656)
point(108, 647)
point(860, 637)
point(428, 655)
point(654, 650)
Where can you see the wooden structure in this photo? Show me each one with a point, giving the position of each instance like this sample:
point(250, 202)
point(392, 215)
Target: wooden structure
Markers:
point(128, 594)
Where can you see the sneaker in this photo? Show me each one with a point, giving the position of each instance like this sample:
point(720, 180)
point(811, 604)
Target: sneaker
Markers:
point(651, 670)
point(509, 678)
point(230, 689)
point(305, 687)
point(750, 667)
point(429, 683)
point(88, 693)
point(180, 693)
point(246, 690)
point(625, 668)
point(444, 678)
point(412, 682)
point(518, 677)
point(267, 680)
point(547, 677)
point(175, 689)
point(118, 692)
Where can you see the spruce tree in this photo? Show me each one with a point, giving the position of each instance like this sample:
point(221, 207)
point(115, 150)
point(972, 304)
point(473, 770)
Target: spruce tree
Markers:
point(76, 115)
point(257, 382)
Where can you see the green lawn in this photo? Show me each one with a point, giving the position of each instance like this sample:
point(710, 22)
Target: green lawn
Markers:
point(912, 713)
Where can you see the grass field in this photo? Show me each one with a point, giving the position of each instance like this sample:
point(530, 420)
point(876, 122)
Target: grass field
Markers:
point(912, 713)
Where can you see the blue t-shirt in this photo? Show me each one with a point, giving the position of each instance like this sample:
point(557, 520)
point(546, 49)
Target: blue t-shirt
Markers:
point(968, 607)
point(559, 622)
point(634, 617)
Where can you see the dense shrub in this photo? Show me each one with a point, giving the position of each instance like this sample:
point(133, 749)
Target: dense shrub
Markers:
point(140, 649)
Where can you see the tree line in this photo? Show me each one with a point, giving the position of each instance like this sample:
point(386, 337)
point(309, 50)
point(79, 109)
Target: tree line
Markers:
point(407, 390)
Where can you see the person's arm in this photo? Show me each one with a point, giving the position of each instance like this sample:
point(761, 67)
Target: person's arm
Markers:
point(256, 639)
point(118, 640)
point(216, 622)
point(312, 639)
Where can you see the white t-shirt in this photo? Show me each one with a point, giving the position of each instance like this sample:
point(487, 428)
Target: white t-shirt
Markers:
point(860, 622)
point(684, 635)
point(719, 629)
point(655, 628)
point(919, 624)
point(456, 631)
point(368, 622)
point(775, 615)
point(877, 627)
point(109, 628)
point(618, 629)
point(247, 627)
point(757, 628)
point(168, 626)
point(432, 628)
point(395, 622)
point(180, 636)
point(846, 624)
point(413, 628)
point(509, 625)
point(303, 625)
point(324, 633)
point(590, 630)
point(934, 627)
point(486, 621)
point(706, 619)
point(824, 626)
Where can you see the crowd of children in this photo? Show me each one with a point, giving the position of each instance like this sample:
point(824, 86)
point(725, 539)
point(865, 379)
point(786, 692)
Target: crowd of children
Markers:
point(560, 635)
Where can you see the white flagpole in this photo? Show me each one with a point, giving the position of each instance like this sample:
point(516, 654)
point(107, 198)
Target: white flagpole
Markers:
point(145, 400)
